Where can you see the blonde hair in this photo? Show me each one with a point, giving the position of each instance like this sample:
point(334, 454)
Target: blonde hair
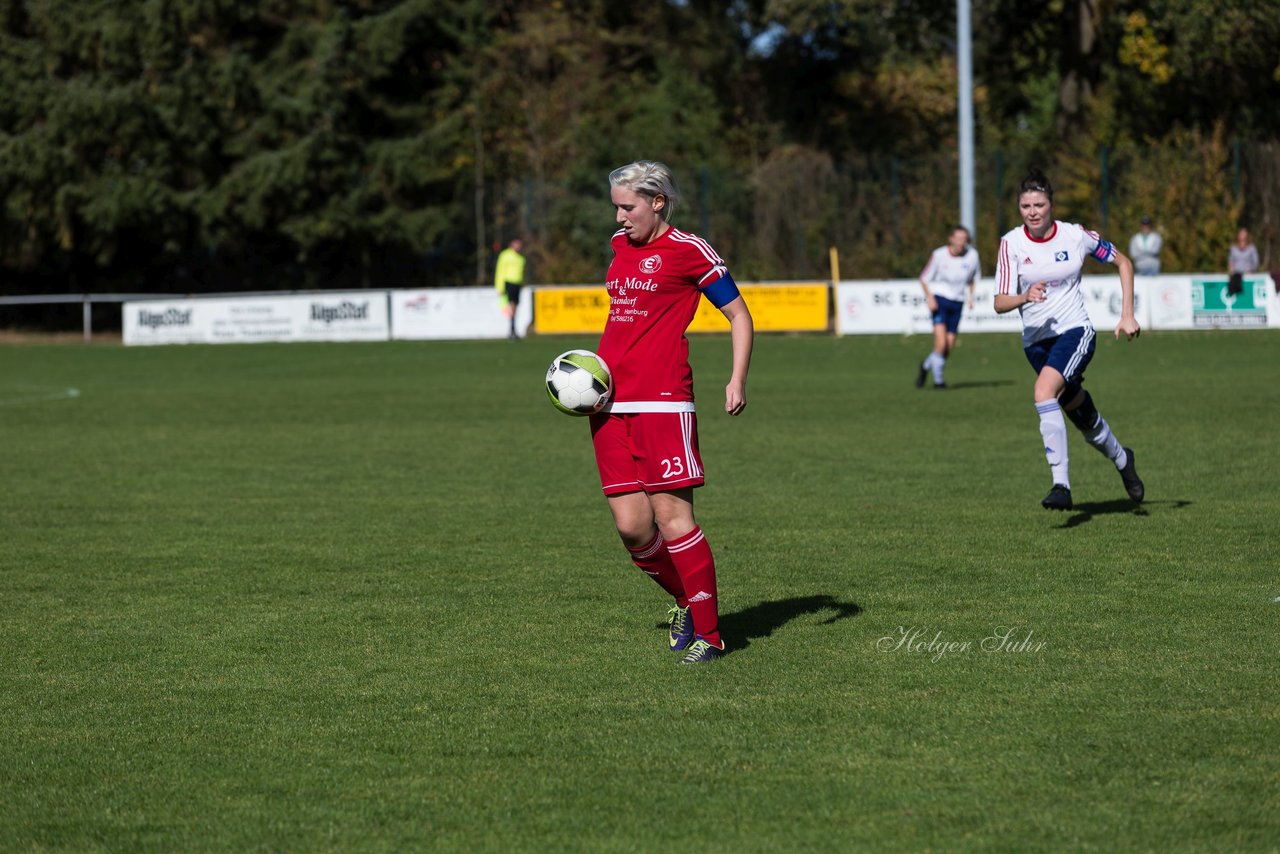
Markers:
point(650, 179)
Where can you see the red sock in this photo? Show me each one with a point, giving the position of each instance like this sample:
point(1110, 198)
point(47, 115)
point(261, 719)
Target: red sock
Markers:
point(654, 562)
point(697, 567)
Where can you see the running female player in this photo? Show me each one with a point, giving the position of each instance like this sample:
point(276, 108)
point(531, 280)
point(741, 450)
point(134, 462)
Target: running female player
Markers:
point(646, 442)
point(950, 269)
point(1038, 273)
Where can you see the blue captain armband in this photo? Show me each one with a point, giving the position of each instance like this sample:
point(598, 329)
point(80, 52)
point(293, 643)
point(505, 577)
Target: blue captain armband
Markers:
point(722, 291)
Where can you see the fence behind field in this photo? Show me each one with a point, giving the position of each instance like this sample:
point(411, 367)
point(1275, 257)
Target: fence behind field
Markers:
point(887, 306)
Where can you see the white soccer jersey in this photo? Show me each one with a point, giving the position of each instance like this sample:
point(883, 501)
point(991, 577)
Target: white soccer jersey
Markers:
point(1056, 260)
point(948, 274)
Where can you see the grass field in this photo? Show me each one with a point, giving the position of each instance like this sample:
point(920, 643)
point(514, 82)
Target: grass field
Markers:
point(368, 597)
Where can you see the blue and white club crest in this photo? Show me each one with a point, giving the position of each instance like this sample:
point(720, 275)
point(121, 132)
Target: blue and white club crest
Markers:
point(1060, 256)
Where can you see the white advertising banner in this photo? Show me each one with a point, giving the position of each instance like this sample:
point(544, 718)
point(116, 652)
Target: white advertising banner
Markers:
point(1204, 302)
point(339, 316)
point(1214, 305)
point(455, 313)
point(1168, 302)
point(1160, 302)
point(1102, 299)
point(898, 306)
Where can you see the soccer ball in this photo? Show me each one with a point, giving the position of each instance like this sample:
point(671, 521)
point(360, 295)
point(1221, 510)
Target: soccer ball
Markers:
point(579, 383)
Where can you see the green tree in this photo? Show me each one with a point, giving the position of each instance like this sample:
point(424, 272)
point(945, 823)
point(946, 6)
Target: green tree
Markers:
point(221, 137)
point(209, 145)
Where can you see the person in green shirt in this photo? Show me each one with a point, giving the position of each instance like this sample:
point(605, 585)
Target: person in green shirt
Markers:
point(508, 277)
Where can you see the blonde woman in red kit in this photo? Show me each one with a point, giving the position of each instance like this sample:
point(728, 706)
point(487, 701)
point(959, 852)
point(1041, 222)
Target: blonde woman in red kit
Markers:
point(646, 441)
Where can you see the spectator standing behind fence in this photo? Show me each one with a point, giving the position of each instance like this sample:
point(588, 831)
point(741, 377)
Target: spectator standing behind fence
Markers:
point(1144, 249)
point(1241, 260)
point(508, 278)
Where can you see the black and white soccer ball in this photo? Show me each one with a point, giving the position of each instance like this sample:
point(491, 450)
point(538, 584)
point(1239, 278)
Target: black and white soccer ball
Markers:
point(579, 383)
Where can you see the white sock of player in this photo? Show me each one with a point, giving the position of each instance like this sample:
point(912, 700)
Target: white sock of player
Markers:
point(1053, 429)
point(939, 362)
point(1105, 441)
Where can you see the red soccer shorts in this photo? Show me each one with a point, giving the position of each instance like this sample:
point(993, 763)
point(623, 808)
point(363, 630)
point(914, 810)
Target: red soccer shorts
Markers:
point(646, 451)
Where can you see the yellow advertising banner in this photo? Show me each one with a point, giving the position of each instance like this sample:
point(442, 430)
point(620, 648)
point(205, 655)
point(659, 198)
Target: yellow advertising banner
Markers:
point(570, 310)
point(790, 307)
point(793, 307)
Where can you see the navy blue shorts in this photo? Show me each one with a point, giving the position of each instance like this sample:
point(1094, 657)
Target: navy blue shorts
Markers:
point(948, 313)
point(1068, 354)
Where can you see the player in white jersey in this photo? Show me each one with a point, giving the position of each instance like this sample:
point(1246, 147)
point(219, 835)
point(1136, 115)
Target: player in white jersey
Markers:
point(1038, 273)
point(950, 270)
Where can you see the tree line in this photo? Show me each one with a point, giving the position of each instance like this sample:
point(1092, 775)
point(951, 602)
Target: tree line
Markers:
point(212, 145)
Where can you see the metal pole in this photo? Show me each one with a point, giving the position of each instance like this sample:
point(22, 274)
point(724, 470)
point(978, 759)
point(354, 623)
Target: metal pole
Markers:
point(88, 319)
point(482, 251)
point(999, 192)
point(964, 63)
point(1235, 166)
point(1106, 184)
point(897, 214)
point(704, 200)
point(527, 218)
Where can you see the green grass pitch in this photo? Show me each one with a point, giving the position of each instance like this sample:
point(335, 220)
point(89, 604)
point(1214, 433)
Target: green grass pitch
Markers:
point(368, 597)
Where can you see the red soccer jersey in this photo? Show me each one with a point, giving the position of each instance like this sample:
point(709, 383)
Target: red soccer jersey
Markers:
point(653, 295)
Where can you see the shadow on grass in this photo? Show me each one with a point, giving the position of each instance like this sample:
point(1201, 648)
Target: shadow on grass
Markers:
point(1086, 511)
point(975, 384)
point(760, 621)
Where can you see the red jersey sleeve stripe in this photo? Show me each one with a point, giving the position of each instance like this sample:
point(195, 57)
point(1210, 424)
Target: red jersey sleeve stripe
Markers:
point(1002, 280)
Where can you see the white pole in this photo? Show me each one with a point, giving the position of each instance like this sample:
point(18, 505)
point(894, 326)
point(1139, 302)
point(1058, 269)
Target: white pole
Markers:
point(964, 62)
